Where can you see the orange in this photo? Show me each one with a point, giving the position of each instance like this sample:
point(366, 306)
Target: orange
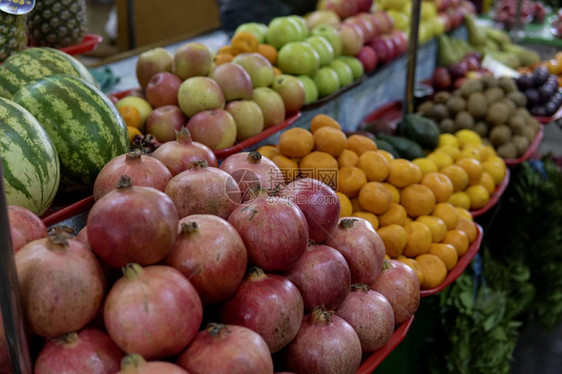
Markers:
point(296, 142)
point(472, 167)
point(345, 205)
point(269, 52)
point(447, 213)
point(457, 239)
point(434, 270)
point(225, 49)
point(394, 238)
point(495, 166)
point(347, 158)
point(396, 214)
point(350, 180)
point(322, 120)
point(375, 198)
point(446, 252)
point(360, 144)
point(478, 195)
point(269, 151)
point(329, 140)
point(488, 182)
point(436, 225)
point(223, 58)
point(413, 265)
point(426, 165)
point(288, 167)
point(319, 165)
point(408, 220)
point(417, 199)
point(467, 226)
point(277, 71)
point(450, 150)
point(369, 217)
point(394, 191)
point(355, 205)
point(243, 42)
point(133, 131)
point(419, 239)
point(374, 165)
point(439, 184)
point(130, 115)
point(460, 199)
point(457, 175)
point(386, 154)
point(463, 213)
point(403, 173)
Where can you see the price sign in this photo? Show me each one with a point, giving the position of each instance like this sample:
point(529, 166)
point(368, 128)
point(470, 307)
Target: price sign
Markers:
point(17, 7)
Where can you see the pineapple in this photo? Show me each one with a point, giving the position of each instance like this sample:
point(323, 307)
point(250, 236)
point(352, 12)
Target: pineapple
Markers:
point(57, 23)
point(13, 34)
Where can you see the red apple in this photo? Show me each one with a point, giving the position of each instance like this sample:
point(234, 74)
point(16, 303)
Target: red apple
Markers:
point(366, 27)
point(384, 48)
point(162, 89)
point(258, 67)
point(351, 37)
point(385, 23)
point(458, 70)
point(364, 5)
point(372, 20)
point(164, 121)
point(234, 81)
point(291, 91)
point(153, 61)
point(214, 128)
point(446, 20)
point(191, 60)
point(368, 58)
point(344, 8)
point(400, 40)
point(441, 79)
point(319, 17)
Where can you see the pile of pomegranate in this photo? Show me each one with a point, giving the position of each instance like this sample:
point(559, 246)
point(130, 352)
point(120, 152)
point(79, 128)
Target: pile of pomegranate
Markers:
point(207, 270)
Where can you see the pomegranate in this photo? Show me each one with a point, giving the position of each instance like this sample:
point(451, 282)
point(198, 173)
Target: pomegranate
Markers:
point(325, 344)
point(211, 254)
point(361, 246)
point(153, 311)
point(179, 154)
point(89, 351)
point(318, 202)
point(82, 236)
point(322, 276)
point(61, 285)
point(227, 349)
point(274, 231)
point(399, 284)
point(143, 170)
point(370, 315)
point(132, 224)
point(269, 304)
point(252, 170)
point(135, 364)
point(25, 226)
point(204, 190)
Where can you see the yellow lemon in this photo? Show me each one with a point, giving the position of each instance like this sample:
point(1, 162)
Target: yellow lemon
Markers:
point(448, 139)
point(466, 136)
point(426, 165)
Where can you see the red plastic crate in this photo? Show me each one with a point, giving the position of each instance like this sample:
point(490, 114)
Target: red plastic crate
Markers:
point(554, 117)
point(494, 196)
point(89, 43)
point(69, 211)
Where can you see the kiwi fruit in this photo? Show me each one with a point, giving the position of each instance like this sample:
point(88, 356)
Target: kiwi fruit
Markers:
point(470, 86)
point(497, 114)
point(456, 104)
point(523, 112)
point(476, 105)
point(507, 150)
point(425, 108)
point(500, 135)
point(486, 141)
point(516, 123)
point(493, 95)
point(509, 105)
point(439, 112)
point(463, 120)
point(507, 84)
point(529, 133)
point(441, 97)
point(518, 98)
point(489, 80)
point(521, 144)
point(532, 123)
point(481, 129)
point(447, 126)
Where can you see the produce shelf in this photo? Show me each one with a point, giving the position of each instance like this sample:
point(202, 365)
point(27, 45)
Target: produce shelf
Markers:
point(69, 211)
point(494, 196)
point(375, 359)
point(460, 266)
point(89, 43)
point(533, 147)
point(546, 120)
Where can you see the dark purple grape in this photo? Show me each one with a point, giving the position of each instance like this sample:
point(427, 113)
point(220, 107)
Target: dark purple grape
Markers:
point(539, 111)
point(540, 75)
point(532, 97)
point(552, 79)
point(524, 82)
point(546, 91)
point(550, 108)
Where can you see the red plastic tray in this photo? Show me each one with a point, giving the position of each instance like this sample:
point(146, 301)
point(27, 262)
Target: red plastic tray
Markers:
point(375, 359)
point(494, 197)
point(554, 117)
point(89, 43)
point(530, 151)
point(69, 211)
point(460, 266)
point(390, 112)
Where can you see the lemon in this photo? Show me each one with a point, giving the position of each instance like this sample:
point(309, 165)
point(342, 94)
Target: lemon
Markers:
point(441, 159)
point(448, 139)
point(133, 131)
point(478, 195)
point(460, 199)
point(496, 169)
point(466, 136)
point(487, 152)
point(463, 213)
point(470, 151)
point(487, 181)
point(426, 165)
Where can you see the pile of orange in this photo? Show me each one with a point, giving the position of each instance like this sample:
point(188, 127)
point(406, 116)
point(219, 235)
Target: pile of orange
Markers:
point(246, 42)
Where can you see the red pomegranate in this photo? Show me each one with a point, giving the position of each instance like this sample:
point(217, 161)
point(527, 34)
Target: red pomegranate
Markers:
point(136, 364)
point(399, 284)
point(370, 315)
point(89, 351)
point(325, 344)
point(178, 155)
point(318, 202)
point(153, 311)
point(132, 224)
point(227, 349)
point(143, 170)
point(25, 226)
point(269, 304)
point(204, 190)
point(322, 276)
point(82, 236)
point(61, 285)
point(211, 255)
point(252, 170)
point(361, 246)
point(274, 231)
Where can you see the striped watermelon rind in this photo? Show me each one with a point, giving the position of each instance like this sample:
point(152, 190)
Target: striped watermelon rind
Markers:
point(82, 122)
point(35, 63)
point(30, 162)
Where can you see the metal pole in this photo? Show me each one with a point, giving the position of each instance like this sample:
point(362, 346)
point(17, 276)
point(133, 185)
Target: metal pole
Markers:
point(412, 56)
point(10, 293)
point(517, 25)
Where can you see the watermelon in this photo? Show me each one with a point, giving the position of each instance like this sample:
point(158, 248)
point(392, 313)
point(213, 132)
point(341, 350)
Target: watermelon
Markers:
point(35, 63)
point(30, 162)
point(84, 125)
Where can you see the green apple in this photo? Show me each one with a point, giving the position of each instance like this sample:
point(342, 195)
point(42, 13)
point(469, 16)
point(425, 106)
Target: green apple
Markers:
point(303, 26)
point(298, 58)
point(140, 104)
point(355, 65)
point(327, 81)
point(258, 29)
point(332, 35)
point(310, 89)
point(323, 47)
point(283, 30)
point(343, 71)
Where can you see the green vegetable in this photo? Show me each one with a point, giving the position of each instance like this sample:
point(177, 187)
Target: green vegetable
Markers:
point(407, 148)
point(386, 146)
point(420, 129)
